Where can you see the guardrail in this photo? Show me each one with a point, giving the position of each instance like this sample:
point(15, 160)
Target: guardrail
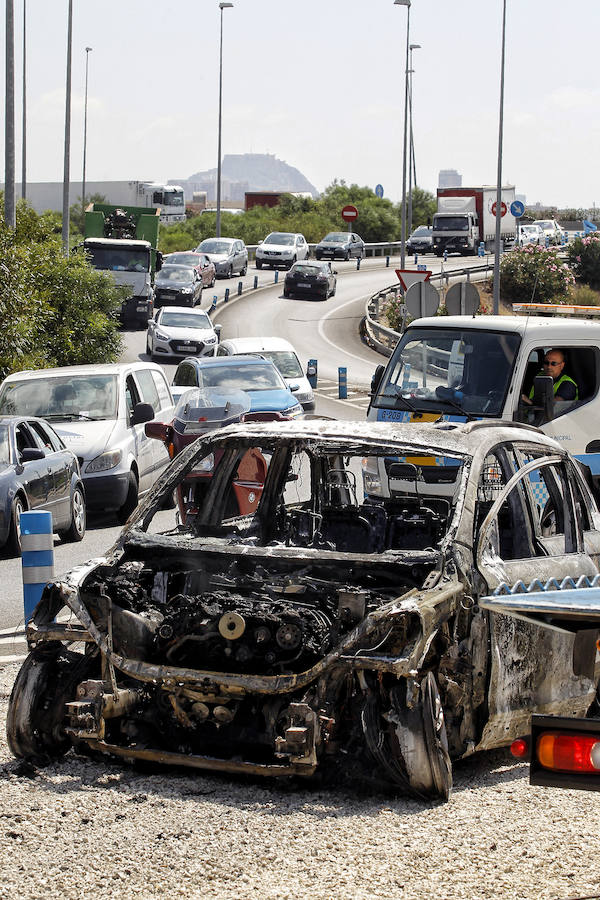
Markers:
point(377, 248)
point(382, 338)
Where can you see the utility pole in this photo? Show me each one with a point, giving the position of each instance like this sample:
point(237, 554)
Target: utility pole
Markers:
point(10, 211)
point(66, 175)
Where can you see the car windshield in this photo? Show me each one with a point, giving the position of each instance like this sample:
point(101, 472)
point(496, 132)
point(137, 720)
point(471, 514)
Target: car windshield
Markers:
point(305, 268)
point(184, 259)
point(286, 361)
point(336, 237)
point(212, 246)
point(423, 231)
point(279, 238)
point(63, 397)
point(243, 377)
point(172, 319)
point(119, 259)
point(450, 223)
point(4, 446)
point(434, 369)
point(176, 273)
point(173, 198)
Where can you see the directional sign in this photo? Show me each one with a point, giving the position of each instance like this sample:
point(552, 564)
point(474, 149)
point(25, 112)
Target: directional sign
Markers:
point(379, 190)
point(502, 208)
point(408, 277)
point(349, 213)
point(517, 208)
point(462, 299)
point(422, 299)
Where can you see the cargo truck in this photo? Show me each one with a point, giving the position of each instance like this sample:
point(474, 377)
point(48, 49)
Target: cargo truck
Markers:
point(123, 241)
point(466, 217)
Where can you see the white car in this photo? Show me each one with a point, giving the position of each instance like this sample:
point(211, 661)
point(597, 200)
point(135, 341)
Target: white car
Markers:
point(530, 234)
point(99, 411)
point(281, 248)
point(181, 331)
point(280, 352)
point(551, 230)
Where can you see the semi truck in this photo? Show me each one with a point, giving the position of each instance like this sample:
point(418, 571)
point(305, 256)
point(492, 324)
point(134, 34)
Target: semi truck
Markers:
point(466, 217)
point(169, 198)
point(123, 242)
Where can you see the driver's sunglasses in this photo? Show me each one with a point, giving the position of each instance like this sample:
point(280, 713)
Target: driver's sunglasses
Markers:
point(549, 362)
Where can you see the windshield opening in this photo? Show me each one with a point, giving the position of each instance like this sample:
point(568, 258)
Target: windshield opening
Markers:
point(119, 259)
point(337, 237)
point(211, 246)
point(450, 223)
point(171, 319)
point(65, 397)
point(457, 371)
point(176, 273)
point(286, 361)
point(243, 377)
point(285, 240)
point(173, 198)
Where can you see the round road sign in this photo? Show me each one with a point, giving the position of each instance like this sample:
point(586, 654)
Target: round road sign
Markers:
point(349, 213)
point(462, 299)
point(517, 208)
point(422, 299)
point(502, 208)
point(379, 190)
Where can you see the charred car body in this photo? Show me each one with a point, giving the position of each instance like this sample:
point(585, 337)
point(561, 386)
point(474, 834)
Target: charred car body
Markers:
point(327, 628)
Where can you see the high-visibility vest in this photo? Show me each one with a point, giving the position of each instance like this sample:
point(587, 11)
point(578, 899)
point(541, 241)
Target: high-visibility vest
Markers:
point(558, 383)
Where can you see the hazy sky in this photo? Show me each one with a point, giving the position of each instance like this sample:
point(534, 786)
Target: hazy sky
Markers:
point(319, 84)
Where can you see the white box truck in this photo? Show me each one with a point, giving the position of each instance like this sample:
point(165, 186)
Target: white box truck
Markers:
point(466, 216)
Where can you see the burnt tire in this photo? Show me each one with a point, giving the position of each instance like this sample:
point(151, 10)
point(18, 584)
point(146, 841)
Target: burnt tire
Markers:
point(76, 530)
point(13, 543)
point(131, 500)
point(46, 681)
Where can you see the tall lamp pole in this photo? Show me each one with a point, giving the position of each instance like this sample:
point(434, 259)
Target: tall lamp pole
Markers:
point(496, 294)
point(24, 140)
point(222, 6)
point(66, 174)
point(10, 210)
point(404, 140)
point(411, 144)
point(87, 56)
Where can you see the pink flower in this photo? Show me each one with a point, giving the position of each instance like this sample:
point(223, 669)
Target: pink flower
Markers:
point(578, 258)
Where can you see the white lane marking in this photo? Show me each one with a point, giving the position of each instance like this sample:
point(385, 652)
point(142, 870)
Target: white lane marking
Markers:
point(321, 332)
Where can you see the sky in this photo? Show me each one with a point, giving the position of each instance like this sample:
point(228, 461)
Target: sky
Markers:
point(319, 84)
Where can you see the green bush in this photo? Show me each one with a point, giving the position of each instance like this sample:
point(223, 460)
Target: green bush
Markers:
point(584, 258)
point(534, 275)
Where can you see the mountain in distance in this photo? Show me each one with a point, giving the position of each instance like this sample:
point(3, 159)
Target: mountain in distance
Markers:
point(241, 172)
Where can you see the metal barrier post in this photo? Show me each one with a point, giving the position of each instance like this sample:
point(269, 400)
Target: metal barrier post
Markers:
point(276, 279)
point(37, 560)
point(416, 259)
point(255, 282)
point(357, 263)
point(226, 298)
point(240, 286)
point(342, 383)
point(311, 372)
point(387, 262)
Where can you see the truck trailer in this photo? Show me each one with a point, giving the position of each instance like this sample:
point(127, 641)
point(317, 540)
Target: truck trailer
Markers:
point(465, 218)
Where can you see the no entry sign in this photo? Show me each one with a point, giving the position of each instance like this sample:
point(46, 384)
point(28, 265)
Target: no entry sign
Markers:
point(349, 213)
point(502, 208)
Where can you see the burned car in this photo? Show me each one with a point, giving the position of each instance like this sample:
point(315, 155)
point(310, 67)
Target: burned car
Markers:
point(335, 627)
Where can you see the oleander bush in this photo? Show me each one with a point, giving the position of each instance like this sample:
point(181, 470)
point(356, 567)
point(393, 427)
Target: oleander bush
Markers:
point(534, 274)
point(584, 258)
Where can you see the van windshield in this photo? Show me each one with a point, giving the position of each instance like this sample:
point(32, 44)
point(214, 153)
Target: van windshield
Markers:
point(62, 397)
point(455, 371)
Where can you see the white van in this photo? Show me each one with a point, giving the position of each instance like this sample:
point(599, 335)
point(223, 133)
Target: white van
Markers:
point(100, 411)
point(280, 352)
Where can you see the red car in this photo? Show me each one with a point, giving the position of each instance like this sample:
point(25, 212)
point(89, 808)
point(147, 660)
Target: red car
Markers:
point(199, 261)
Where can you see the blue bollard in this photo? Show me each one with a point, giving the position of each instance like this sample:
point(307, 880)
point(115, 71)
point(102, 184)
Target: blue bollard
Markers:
point(416, 258)
point(547, 241)
point(481, 249)
point(213, 305)
point(226, 297)
point(255, 282)
point(445, 255)
point(276, 279)
point(240, 286)
point(387, 262)
point(37, 560)
point(342, 383)
point(311, 372)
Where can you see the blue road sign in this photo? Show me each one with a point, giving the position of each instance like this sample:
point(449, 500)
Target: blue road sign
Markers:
point(517, 208)
point(379, 190)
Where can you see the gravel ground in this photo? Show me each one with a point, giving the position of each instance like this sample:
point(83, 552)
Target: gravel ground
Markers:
point(83, 829)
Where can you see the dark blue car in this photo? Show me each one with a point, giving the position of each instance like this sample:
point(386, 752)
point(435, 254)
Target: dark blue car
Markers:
point(38, 472)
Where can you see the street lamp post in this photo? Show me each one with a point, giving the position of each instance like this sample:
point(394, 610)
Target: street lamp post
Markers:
point(66, 174)
point(10, 210)
point(411, 144)
point(404, 141)
point(222, 6)
point(496, 294)
point(87, 56)
point(24, 141)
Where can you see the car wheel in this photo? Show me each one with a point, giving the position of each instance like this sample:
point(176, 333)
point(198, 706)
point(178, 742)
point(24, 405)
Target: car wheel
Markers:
point(243, 270)
point(131, 500)
point(318, 255)
point(286, 294)
point(214, 278)
point(14, 533)
point(76, 530)
point(258, 264)
point(347, 255)
point(290, 264)
point(333, 290)
point(148, 348)
point(230, 272)
point(46, 681)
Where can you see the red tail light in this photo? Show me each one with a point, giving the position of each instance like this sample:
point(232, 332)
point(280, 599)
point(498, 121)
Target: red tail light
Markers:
point(563, 752)
point(520, 748)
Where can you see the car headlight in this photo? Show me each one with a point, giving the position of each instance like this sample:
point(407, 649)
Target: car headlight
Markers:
point(105, 461)
point(211, 340)
point(186, 290)
point(295, 410)
point(160, 336)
